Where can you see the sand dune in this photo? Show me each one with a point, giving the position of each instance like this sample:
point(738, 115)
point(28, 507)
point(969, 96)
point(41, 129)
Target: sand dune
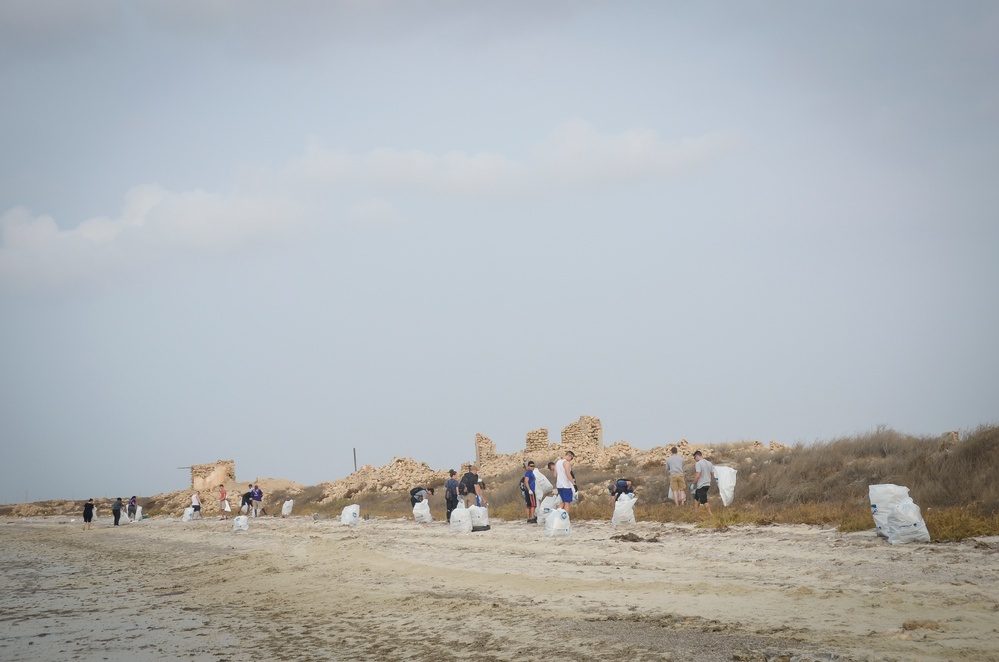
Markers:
point(294, 589)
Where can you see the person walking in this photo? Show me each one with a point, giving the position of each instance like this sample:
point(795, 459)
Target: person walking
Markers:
point(88, 514)
point(565, 480)
point(223, 502)
point(677, 483)
point(451, 492)
point(196, 504)
point(527, 486)
point(704, 470)
point(116, 510)
point(131, 508)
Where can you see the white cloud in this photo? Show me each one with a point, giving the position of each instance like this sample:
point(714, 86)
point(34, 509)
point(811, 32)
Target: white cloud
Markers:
point(155, 223)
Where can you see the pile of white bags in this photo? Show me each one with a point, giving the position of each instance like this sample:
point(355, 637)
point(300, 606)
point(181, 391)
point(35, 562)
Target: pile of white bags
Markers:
point(350, 515)
point(461, 520)
point(480, 518)
point(546, 507)
point(286, 507)
point(557, 524)
point(896, 516)
point(726, 484)
point(241, 523)
point(421, 512)
point(624, 510)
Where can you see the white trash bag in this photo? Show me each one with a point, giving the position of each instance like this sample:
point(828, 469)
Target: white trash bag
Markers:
point(138, 513)
point(726, 484)
point(883, 498)
point(286, 507)
point(188, 514)
point(350, 515)
point(480, 518)
point(624, 510)
point(905, 524)
point(226, 507)
point(557, 524)
point(421, 512)
point(542, 485)
point(461, 520)
point(241, 523)
point(546, 507)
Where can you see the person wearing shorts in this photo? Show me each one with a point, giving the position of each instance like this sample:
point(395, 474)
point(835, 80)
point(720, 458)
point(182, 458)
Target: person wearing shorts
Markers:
point(527, 486)
point(196, 504)
point(677, 482)
point(88, 514)
point(702, 480)
point(564, 481)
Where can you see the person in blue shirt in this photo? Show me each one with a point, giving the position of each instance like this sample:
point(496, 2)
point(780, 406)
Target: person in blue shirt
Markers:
point(527, 485)
point(451, 492)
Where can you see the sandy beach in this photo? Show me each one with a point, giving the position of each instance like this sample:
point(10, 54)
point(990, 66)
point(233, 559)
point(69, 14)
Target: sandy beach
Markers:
point(295, 589)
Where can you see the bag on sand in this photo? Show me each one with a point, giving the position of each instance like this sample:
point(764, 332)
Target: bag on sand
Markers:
point(188, 514)
point(883, 498)
point(905, 524)
point(726, 484)
point(350, 515)
point(286, 507)
point(138, 513)
point(546, 507)
point(241, 523)
point(421, 512)
point(557, 524)
point(245, 508)
point(624, 510)
point(480, 518)
point(461, 520)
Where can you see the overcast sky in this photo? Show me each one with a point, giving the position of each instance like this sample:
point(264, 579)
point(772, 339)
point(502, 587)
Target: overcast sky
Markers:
point(274, 232)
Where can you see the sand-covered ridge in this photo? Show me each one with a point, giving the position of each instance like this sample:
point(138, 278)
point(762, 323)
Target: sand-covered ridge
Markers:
point(294, 589)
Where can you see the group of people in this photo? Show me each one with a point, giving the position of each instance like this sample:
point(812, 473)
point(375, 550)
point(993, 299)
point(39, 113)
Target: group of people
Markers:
point(90, 511)
point(251, 503)
point(470, 487)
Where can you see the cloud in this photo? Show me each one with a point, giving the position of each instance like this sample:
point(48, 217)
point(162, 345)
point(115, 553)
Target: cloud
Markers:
point(156, 223)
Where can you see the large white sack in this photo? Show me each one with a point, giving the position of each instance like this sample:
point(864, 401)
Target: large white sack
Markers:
point(138, 513)
point(421, 512)
point(188, 514)
point(542, 485)
point(624, 510)
point(241, 523)
point(726, 484)
point(461, 520)
point(226, 507)
point(286, 507)
point(557, 524)
point(350, 515)
point(905, 523)
point(480, 518)
point(547, 506)
point(884, 497)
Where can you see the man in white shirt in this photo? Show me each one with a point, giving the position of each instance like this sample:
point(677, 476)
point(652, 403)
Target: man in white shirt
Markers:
point(564, 481)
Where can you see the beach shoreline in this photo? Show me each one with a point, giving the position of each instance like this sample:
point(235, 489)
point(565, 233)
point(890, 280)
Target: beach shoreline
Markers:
point(298, 589)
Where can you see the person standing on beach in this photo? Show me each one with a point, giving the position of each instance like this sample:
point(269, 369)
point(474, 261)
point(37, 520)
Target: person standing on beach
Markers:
point(702, 480)
point(244, 505)
point(527, 486)
point(565, 480)
point(196, 504)
point(223, 502)
point(116, 510)
point(131, 508)
point(258, 500)
point(451, 492)
point(88, 514)
point(470, 487)
point(677, 482)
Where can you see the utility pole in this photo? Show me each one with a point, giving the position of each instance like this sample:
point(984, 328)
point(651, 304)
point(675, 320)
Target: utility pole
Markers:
point(355, 459)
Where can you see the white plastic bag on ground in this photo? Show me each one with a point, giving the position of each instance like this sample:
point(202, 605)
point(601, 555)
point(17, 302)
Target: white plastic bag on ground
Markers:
point(351, 515)
point(624, 510)
point(461, 520)
point(286, 507)
point(480, 518)
point(726, 484)
point(546, 507)
point(188, 514)
point(138, 513)
point(905, 523)
point(241, 523)
point(557, 524)
point(883, 498)
point(421, 512)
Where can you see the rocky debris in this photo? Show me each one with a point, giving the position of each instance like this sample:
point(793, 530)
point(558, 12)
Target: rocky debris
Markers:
point(634, 537)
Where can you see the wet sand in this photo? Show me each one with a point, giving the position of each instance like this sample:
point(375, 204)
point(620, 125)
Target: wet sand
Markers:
point(295, 589)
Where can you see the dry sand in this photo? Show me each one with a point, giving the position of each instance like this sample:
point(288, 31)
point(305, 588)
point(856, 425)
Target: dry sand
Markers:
point(294, 589)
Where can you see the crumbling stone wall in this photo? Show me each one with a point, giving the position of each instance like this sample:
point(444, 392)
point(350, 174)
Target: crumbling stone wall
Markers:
point(206, 477)
point(586, 434)
point(537, 443)
point(485, 449)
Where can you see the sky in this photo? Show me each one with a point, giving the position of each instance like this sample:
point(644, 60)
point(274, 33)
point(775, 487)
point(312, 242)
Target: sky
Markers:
point(279, 232)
